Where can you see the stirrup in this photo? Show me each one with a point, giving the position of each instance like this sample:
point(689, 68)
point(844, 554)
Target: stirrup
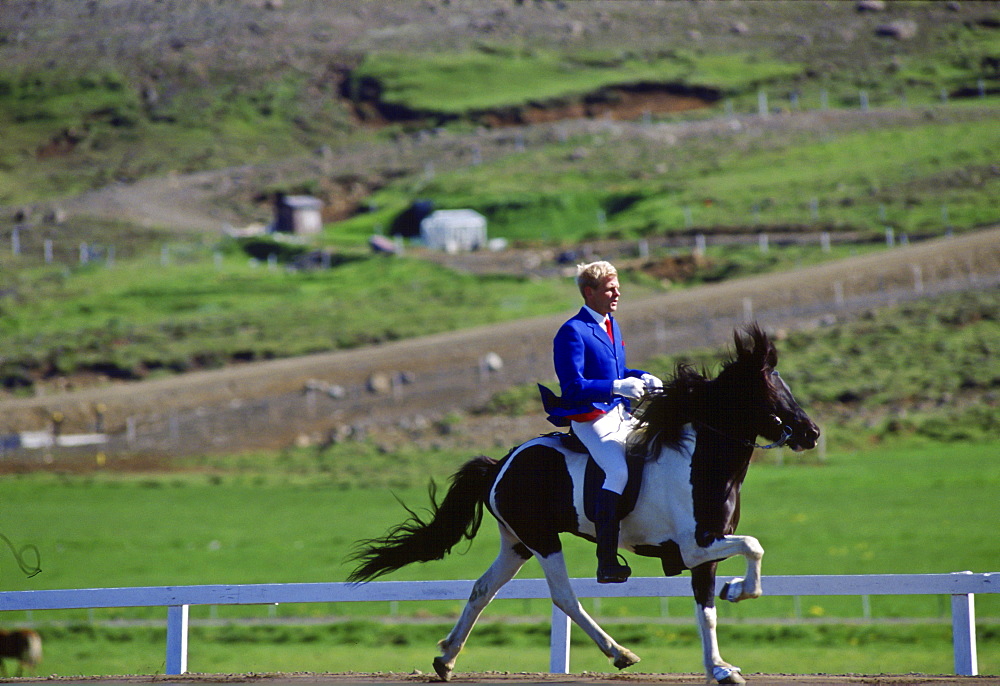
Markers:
point(614, 575)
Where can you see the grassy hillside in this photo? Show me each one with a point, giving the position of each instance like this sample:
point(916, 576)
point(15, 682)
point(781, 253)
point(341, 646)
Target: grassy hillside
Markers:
point(438, 84)
point(67, 131)
point(141, 318)
point(928, 368)
point(925, 370)
point(285, 96)
point(910, 175)
point(132, 102)
point(194, 308)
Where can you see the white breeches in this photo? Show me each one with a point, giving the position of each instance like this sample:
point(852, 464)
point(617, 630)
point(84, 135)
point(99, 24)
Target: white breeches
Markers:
point(605, 439)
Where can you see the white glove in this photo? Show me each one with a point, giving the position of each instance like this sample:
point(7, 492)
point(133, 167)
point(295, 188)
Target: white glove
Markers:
point(652, 383)
point(628, 388)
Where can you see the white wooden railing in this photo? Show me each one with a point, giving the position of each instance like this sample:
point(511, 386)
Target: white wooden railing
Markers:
point(961, 586)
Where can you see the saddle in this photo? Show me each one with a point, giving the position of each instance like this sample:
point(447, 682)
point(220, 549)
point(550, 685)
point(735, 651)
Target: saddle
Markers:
point(593, 478)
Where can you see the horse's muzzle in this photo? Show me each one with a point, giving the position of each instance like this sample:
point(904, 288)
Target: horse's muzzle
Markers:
point(804, 437)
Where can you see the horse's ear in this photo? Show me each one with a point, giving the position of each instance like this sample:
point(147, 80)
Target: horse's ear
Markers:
point(744, 344)
point(771, 358)
point(753, 343)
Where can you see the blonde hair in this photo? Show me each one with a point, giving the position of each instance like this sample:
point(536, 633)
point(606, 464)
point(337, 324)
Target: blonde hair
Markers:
point(593, 275)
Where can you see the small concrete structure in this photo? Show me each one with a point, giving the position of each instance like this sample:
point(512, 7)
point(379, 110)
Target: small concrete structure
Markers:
point(298, 214)
point(454, 230)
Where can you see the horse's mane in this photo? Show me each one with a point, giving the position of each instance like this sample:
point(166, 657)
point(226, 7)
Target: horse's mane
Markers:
point(661, 416)
point(663, 413)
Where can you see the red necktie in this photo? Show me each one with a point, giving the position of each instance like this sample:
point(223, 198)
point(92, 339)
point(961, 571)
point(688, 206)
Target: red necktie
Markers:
point(607, 325)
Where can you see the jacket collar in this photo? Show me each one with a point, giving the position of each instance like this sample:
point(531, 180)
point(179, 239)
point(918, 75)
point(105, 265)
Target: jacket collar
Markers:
point(597, 316)
point(596, 323)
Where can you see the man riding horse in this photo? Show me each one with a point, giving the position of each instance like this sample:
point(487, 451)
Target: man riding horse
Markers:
point(693, 441)
point(589, 356)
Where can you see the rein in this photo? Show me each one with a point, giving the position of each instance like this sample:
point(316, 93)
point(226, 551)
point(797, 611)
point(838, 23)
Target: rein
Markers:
point(786, 432)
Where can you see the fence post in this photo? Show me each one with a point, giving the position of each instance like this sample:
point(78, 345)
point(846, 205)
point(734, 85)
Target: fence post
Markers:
point(177, 639)
point(559, 642)
point(963, 632)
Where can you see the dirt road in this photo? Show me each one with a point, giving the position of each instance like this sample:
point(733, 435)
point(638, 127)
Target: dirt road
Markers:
point(445, 372)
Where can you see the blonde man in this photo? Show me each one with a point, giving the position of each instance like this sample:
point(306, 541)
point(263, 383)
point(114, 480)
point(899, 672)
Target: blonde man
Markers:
point(596, 386)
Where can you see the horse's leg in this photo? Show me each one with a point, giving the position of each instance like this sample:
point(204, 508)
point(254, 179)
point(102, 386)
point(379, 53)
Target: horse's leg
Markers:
point(703, 586)
point(510, 559)
point(726, 547)
point(565, 599)
point(748, 587)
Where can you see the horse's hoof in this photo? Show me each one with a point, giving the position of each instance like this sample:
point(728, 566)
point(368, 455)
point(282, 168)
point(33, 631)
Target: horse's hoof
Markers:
point(443, 670)
point(729, 591)
point(728, 675)
point(626, 658)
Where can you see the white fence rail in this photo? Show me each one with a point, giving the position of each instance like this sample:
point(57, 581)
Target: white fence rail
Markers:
point(961, 586)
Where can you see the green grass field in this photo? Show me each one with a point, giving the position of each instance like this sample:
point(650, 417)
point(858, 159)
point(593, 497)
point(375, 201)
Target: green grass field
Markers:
point(507, 77)
point(272, 525)
point(916, 508)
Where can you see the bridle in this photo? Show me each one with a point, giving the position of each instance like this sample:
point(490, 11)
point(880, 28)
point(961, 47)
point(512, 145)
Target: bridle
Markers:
point(786, 433)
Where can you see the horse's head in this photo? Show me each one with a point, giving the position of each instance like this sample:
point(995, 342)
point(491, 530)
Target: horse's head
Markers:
point(746, 400)
point(773, 411)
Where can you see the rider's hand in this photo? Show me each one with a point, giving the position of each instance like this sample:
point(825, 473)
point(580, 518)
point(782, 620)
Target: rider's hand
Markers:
point(652, 382)
point(629, 388)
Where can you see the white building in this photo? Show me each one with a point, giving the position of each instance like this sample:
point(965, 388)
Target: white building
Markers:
point(454, 230)
point(298, 214)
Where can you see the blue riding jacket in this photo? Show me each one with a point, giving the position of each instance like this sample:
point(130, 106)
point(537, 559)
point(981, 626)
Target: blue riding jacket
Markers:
point(586, 364)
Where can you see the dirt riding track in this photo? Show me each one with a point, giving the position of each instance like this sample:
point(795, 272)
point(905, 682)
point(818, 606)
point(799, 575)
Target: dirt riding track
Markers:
point(342, 679)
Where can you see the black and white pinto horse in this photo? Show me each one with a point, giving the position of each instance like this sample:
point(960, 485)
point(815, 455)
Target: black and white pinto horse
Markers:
point(692, 446)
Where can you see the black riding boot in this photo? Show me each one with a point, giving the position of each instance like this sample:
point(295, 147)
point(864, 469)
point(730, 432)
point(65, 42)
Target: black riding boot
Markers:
point(609, 570)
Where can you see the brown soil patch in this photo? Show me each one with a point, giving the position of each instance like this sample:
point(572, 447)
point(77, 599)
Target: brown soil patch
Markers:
point(621, 102)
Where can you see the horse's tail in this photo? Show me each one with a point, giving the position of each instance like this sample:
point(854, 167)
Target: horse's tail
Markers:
point(458, 516)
